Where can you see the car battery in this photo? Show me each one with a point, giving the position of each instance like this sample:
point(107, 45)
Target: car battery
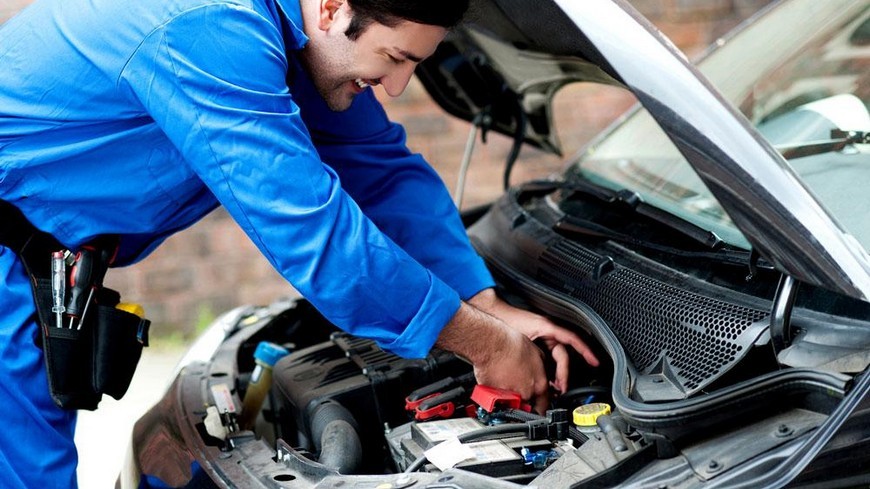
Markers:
point(495, 458)
point(427, 435)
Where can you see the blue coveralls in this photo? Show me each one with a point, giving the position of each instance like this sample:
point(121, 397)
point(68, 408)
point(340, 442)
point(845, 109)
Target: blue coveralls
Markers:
point(138, 117)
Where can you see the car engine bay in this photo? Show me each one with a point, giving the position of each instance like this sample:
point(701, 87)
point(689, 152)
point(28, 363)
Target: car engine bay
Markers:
point(691, 384)
point(706, 379)
point(719, 367)
point(357, 409)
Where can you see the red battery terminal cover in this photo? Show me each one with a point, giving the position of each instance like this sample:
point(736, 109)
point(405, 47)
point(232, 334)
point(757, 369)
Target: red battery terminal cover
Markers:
point(413, 405)
point(490, 398)
point(443, 410)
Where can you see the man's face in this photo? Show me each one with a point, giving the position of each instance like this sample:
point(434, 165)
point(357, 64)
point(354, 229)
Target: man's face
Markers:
point(341, 68)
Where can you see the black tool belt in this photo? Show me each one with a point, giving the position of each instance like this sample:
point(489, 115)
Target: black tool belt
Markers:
point(91, 346)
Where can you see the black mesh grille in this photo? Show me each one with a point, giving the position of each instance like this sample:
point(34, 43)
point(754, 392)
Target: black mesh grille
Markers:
point(698, 336)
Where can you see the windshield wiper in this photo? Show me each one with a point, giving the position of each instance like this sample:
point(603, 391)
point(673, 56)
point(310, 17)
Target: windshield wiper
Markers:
point(573, 227)
point(628, 200)
point(839, 140)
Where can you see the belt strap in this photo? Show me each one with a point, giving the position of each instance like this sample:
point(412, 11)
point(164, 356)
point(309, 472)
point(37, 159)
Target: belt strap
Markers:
point(33, 246)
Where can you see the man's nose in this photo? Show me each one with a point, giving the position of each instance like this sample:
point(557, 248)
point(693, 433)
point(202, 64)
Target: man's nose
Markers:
point(396, 82)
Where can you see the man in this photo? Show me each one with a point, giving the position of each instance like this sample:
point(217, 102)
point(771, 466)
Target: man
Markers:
point(137, 118)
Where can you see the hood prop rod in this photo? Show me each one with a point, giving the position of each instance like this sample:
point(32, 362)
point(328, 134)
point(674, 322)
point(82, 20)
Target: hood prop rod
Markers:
point(780, 314)
point(519, 137)
point(481, 122)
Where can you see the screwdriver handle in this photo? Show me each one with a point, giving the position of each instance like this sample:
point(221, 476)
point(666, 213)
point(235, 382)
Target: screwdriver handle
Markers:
point(104, 255)
point(81, 281)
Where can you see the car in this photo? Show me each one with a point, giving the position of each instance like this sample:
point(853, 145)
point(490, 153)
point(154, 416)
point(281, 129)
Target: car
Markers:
point(710, 246)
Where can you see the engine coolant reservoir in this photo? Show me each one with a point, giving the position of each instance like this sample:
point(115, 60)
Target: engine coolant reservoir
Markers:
point(586, 416)
point(265, 356)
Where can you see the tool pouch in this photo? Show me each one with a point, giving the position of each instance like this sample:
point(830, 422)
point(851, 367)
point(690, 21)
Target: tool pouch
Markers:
point(98, 358)
point(85, 362)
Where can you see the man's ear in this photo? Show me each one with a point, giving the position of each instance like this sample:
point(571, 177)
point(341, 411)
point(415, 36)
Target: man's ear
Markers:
point(328, 13)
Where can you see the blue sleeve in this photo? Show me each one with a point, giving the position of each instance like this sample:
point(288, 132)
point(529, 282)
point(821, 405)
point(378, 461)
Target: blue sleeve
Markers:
point(395, 188)
point(213, 79)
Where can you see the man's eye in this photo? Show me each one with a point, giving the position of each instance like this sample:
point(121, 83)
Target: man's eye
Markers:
point(394, 59)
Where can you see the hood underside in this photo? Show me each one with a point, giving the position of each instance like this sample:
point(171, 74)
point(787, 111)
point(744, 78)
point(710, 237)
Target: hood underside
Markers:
point(498, 70)
point(502, 69)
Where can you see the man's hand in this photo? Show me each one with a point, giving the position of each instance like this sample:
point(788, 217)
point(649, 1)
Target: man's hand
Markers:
point(536, 327)
point(502, 357)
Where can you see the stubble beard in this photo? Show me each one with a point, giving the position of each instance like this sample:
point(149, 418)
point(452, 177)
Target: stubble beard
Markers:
point(327, 76)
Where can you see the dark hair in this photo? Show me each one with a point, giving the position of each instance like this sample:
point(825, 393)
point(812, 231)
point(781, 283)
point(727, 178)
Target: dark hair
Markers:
point(443, 13)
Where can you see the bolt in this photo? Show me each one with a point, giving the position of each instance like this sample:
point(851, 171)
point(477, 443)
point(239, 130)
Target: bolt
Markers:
point(713, 466)
point(783, 430)
point(404, 481)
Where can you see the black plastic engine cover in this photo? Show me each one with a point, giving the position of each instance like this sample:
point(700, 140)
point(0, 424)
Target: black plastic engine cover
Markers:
point(371, 383)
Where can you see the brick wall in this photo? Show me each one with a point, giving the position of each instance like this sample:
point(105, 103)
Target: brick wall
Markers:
point(213, 266)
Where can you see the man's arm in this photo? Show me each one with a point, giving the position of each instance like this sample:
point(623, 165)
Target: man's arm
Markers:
point(213, 80)
point(397, 189)
point(502, 357)
point(404, 196)
point(243, 136)
point(534, 327)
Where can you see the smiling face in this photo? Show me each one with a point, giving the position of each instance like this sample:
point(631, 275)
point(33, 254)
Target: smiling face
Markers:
point(342, 68)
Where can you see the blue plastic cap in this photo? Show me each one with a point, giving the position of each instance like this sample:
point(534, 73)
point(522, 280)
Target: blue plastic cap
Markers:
point(270, 353)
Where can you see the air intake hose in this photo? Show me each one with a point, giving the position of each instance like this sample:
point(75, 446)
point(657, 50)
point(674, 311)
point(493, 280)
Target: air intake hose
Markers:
point(335, 437)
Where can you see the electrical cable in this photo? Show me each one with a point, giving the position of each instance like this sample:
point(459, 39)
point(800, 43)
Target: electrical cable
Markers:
point(519, 415)
point(519, 138)
point(480, 122)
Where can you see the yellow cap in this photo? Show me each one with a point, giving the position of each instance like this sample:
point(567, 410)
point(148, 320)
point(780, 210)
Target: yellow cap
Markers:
point(588, 414)
point(132, 308)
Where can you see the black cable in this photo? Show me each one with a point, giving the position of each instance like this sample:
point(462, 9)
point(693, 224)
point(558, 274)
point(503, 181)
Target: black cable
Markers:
point(519, 415)
point(576, 435)
point(519, 138)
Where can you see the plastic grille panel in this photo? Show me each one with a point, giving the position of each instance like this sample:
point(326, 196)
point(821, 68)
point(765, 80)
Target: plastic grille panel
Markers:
point(363, 354)
point(696, 337)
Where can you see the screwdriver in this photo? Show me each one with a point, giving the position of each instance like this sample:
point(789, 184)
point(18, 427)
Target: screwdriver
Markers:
point(99, 268)
point(58, 286)
point(81, 285)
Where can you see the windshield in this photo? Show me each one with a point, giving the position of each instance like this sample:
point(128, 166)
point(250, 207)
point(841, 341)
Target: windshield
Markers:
point(797, 73)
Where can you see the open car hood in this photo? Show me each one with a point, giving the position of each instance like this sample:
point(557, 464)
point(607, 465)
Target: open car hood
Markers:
point(504, 66)
point(507, 65)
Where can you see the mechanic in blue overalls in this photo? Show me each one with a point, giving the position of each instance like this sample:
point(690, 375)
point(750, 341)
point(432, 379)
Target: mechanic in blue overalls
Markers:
point(137, 118)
